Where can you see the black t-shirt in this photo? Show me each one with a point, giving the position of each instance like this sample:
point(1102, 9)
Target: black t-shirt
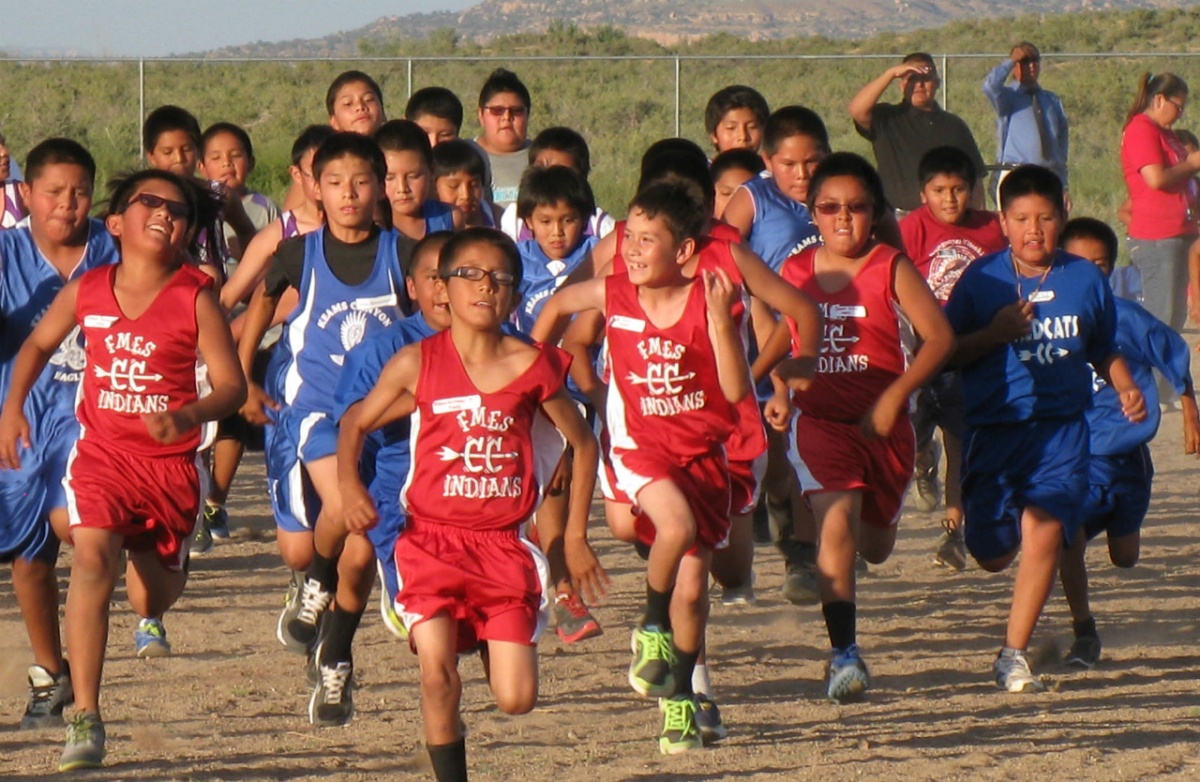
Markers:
point(901, 135)
point(350, 263)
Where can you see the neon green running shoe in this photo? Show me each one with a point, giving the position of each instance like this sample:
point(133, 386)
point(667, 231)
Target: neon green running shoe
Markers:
point(679, 733)
point(652, 672)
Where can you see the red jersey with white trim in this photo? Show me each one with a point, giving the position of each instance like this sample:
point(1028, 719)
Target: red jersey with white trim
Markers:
point(749, 438)
point(664, 393)
point(474, 458)
point(138, 365)
point(861, 353)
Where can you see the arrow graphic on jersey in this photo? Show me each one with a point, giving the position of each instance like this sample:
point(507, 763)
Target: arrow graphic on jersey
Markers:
point(1044, 353)
point(127, 375)
point(479, 454)
point(662, 379)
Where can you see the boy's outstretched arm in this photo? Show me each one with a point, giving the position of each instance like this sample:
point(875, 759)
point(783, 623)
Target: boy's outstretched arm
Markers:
point(252, 268)
point(732, 371)
point(391, 398)
point(937, 343)
point(782, 296)
point(215, 345)
point(558, 309)
point(30, 360)
point(587, 575)
point(254, 324)
point(585, 331)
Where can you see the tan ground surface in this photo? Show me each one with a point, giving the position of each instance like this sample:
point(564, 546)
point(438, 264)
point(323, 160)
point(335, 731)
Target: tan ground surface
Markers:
point(230, 704)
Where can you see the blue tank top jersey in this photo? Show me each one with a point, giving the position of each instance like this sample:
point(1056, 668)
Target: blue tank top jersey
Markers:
point(290, 226)
point(438, 216)
point(1146, 344)
point(782, 227)
point(332, 318)
point(1045, 374)
point(541, 277)
point(28, 284)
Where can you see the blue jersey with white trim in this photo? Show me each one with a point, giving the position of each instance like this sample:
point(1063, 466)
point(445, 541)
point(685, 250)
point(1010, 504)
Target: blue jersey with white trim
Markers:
point(782, 227)
point(1047, 373)
point(542, 277)
point(438, 216)
point(1146, 344)
point(28, 284)
point(333, 317)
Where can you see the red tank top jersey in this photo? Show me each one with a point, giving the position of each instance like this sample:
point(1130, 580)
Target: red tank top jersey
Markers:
point(749, 438)
point(473, 453)
point(664, 392)
point(861, 353)
point(138, 365)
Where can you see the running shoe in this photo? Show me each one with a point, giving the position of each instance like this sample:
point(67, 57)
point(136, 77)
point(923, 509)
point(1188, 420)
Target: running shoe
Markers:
point(150, 639)
point(48, 695)
point(1012, 673)
point(573, 622)
point(679, 733)
point(952, 548)
point(85, 743)
point(848, 675)
point(652, 672)
point(708, 720)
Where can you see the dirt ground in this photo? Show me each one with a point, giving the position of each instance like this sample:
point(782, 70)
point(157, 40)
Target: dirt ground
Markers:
point(230, 704)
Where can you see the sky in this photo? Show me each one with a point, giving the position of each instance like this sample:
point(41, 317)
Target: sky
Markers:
point(136, 28)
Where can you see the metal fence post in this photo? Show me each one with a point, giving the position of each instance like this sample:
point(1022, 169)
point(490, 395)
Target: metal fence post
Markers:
point(945, 84)
point(410, 77)
point(141, 101)
point(677, 97)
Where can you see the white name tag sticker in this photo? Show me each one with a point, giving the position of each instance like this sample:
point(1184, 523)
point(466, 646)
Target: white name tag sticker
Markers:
point(376, 302)
point(1040, 296)
point(627, 324)
point(99, 321)
point(457, 404)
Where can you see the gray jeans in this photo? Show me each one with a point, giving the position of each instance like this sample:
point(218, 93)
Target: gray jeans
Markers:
point(1163, 264)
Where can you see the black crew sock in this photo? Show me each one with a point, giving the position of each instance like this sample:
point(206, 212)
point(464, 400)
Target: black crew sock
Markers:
point(323, 570)
point(1086, 627)
point(658, 609)
point(841, 622)
point(338, 629)
point(685, 664)
point(449, 761)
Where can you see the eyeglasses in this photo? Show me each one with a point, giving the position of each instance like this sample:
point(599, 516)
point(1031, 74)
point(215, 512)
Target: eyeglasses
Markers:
point(1178, 105)
point(176, 209)
point(475, 274)
point(511, 111)
point(830, 208)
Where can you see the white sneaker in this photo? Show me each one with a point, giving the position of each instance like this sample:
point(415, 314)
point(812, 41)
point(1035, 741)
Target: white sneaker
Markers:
point(1012, 673)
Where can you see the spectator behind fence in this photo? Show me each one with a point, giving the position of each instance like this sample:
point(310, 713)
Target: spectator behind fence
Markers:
point(1162, 198)
point(1031, 125)
point(901, 133)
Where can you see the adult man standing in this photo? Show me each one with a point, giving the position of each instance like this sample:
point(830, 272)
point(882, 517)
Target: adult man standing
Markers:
point(1031, 126)
point(901, 133)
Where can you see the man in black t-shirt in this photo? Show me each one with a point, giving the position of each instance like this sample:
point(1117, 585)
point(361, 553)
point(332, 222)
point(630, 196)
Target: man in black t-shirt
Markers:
point(901, 133)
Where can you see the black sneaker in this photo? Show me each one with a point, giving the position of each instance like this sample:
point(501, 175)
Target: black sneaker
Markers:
point(1084, 653)
point(48, 695)
point(299, 634)
point(332, 702)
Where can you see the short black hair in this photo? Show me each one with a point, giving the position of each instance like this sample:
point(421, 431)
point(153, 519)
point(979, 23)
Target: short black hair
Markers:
point(794, 121)
point(947, 161)
point(1187, 138)
point(402, 135)
point(1091, 228)
point(217, 128)
point(1031, 180)
point(741, 159)
point(924, 57)
point(479, 235)
point(430, 242)
point(566, 140)
point(735, 96)
point(56, 151)
point(675, 165)
point(350, 77)
point(673, 145)
point(503, 80)
point(679, 203)
point(311, 137)
point(551, 185)
point(122, 187)
point(458, 156)
point(342, 144)
point(165, 119)
point(436, 102)
point(851, 165)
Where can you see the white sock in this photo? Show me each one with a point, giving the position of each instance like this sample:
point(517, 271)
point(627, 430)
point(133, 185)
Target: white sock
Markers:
point(701, 684)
